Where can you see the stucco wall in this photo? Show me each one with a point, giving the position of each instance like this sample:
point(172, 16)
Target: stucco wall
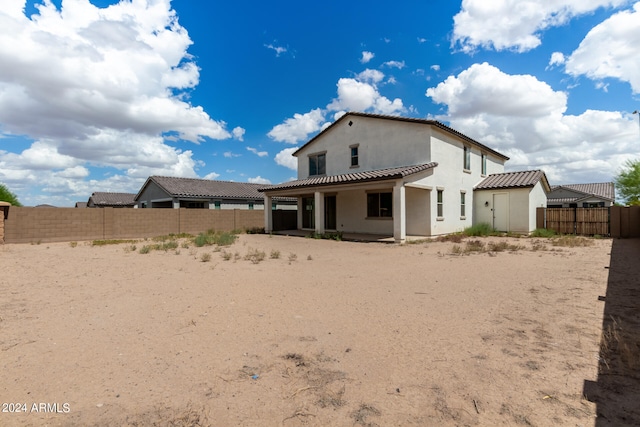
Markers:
point(351, 214)
point(418, 202)
point(522, 207)
point(26, 225)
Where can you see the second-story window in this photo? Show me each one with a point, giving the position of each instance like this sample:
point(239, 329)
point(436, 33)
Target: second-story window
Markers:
point(484, 164)
point(317, 164)
point(354, 155)
point(467, 158)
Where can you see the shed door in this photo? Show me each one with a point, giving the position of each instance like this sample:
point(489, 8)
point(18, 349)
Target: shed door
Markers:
point(501, 211)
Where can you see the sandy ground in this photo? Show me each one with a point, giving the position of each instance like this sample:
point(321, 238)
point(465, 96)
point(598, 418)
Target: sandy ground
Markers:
point(327, 334)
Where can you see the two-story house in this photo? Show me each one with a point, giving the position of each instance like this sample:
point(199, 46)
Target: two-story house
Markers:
point(389, 176)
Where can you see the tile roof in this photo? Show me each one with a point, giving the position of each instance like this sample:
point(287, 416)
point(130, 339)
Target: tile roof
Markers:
point(521, 179)
point(435, 123)
point(605, 190)
point(353, 178)
point(112, 199)
point(207, 188)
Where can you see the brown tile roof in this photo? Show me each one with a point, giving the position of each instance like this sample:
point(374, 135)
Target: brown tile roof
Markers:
point(521, 179)
point(435, 123)
point(207, 188)
point(353, 178)
point(604, 190)
point(112, 199)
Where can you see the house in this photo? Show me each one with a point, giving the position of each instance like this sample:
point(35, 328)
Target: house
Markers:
point(111, 200)
point(173, 192)
point(602, 194)
point(81, 205)
point(508, 201)
point(401, 176)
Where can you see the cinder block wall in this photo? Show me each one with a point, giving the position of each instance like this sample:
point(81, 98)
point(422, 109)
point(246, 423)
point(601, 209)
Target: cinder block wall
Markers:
point(30, 225)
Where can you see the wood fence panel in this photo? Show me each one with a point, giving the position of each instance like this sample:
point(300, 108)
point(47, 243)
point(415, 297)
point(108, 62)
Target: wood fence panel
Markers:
point(584, 221)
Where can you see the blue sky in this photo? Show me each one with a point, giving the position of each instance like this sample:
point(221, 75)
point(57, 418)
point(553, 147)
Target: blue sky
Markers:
point(98, 95)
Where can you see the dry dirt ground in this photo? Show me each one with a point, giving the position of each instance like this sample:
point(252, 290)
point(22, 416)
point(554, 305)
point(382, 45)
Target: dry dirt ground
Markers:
point(318, 333)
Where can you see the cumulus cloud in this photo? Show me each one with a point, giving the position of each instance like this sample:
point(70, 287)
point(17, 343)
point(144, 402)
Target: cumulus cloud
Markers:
point(279, 50)
point(259, 180)
point(298, 127)
point(366, 56)
point(257, 153)
point(394, 64)
point(526, 120)
point(610, 50)
point(515, 24)
point(285, 158)
point(105, 85)
point(211, 175)
point(238, 133)
point(354, 94)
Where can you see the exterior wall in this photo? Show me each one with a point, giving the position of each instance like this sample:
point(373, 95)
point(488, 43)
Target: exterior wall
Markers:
point(351, 214)
point(26, 225)
point(522, 205)
point(377, 146)
point(152, 192)
point(418, 202)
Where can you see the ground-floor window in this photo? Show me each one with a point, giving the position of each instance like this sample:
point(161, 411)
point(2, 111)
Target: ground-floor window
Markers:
point(463, 204)
point(380, 205)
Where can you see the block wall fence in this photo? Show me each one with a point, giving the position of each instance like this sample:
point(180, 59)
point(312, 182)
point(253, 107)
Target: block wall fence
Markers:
point(30, 225)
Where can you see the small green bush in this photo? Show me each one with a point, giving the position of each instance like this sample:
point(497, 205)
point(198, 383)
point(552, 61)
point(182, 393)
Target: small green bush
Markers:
point(211, 237)
point(482, 229)
point(542, 232)
point(145, 249)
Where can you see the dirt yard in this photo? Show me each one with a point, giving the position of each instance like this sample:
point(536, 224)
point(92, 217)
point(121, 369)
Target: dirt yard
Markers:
point(318, 333)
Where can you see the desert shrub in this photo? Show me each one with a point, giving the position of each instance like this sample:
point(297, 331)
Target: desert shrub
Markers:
point(111, 242)
point(542, 232)
point(73, 244)
point(455, 238)
point(274, 254)
point(211, 237)
point(474, 246)
point(571, 241)
point(254, 255)
point(255, 230)
point(503, 246)
point(205, 257)
point(293, 257)
point(226, 255)
point(145, 249)
point(482, 229)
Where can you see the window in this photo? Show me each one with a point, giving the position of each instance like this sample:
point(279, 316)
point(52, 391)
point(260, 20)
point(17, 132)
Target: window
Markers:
point(216, 205)
point(354, 155)
point(440, 204)
point(250, 206)
point(484, 164)
point(467, 158)
point(462, 204)
point(317, 164)
point(379, 205)
point(274, 206)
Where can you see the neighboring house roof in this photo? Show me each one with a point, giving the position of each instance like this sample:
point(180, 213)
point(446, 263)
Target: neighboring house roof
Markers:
point(523, 179)
point(81, 204)
point(206, 188)
point(602, 190)
point(111, 199)
point(352, 178)
point(45, 206)
point(405, 119)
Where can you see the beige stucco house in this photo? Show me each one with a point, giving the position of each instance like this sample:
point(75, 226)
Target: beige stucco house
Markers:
point(594, 195)
point(394, 176)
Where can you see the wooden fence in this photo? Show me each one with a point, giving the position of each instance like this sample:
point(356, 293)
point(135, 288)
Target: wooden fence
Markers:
point(615, 221)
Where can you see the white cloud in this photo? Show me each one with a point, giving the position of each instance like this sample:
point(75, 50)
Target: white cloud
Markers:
point(515, 24)
point(422, 40)
point(435, 67)
point(230, 154)
point(279, 50)
point(557, 58)
point(366, 57)
point(257, 153)
point(212, 176)
point(105, 84)
point(298, 127)
point(394, 64)
point(371, 76)
point(286, 159)
point(259, 180)
point(525, 119)
point(610, 50)
point(238, 133)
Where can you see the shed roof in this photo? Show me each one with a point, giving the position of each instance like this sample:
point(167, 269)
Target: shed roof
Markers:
point(522, 179)
point(112, 199)
point(353, 178)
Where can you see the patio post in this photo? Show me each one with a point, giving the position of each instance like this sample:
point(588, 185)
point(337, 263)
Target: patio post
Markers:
point(399, 213)
point(319, 212)
point(268, 215)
